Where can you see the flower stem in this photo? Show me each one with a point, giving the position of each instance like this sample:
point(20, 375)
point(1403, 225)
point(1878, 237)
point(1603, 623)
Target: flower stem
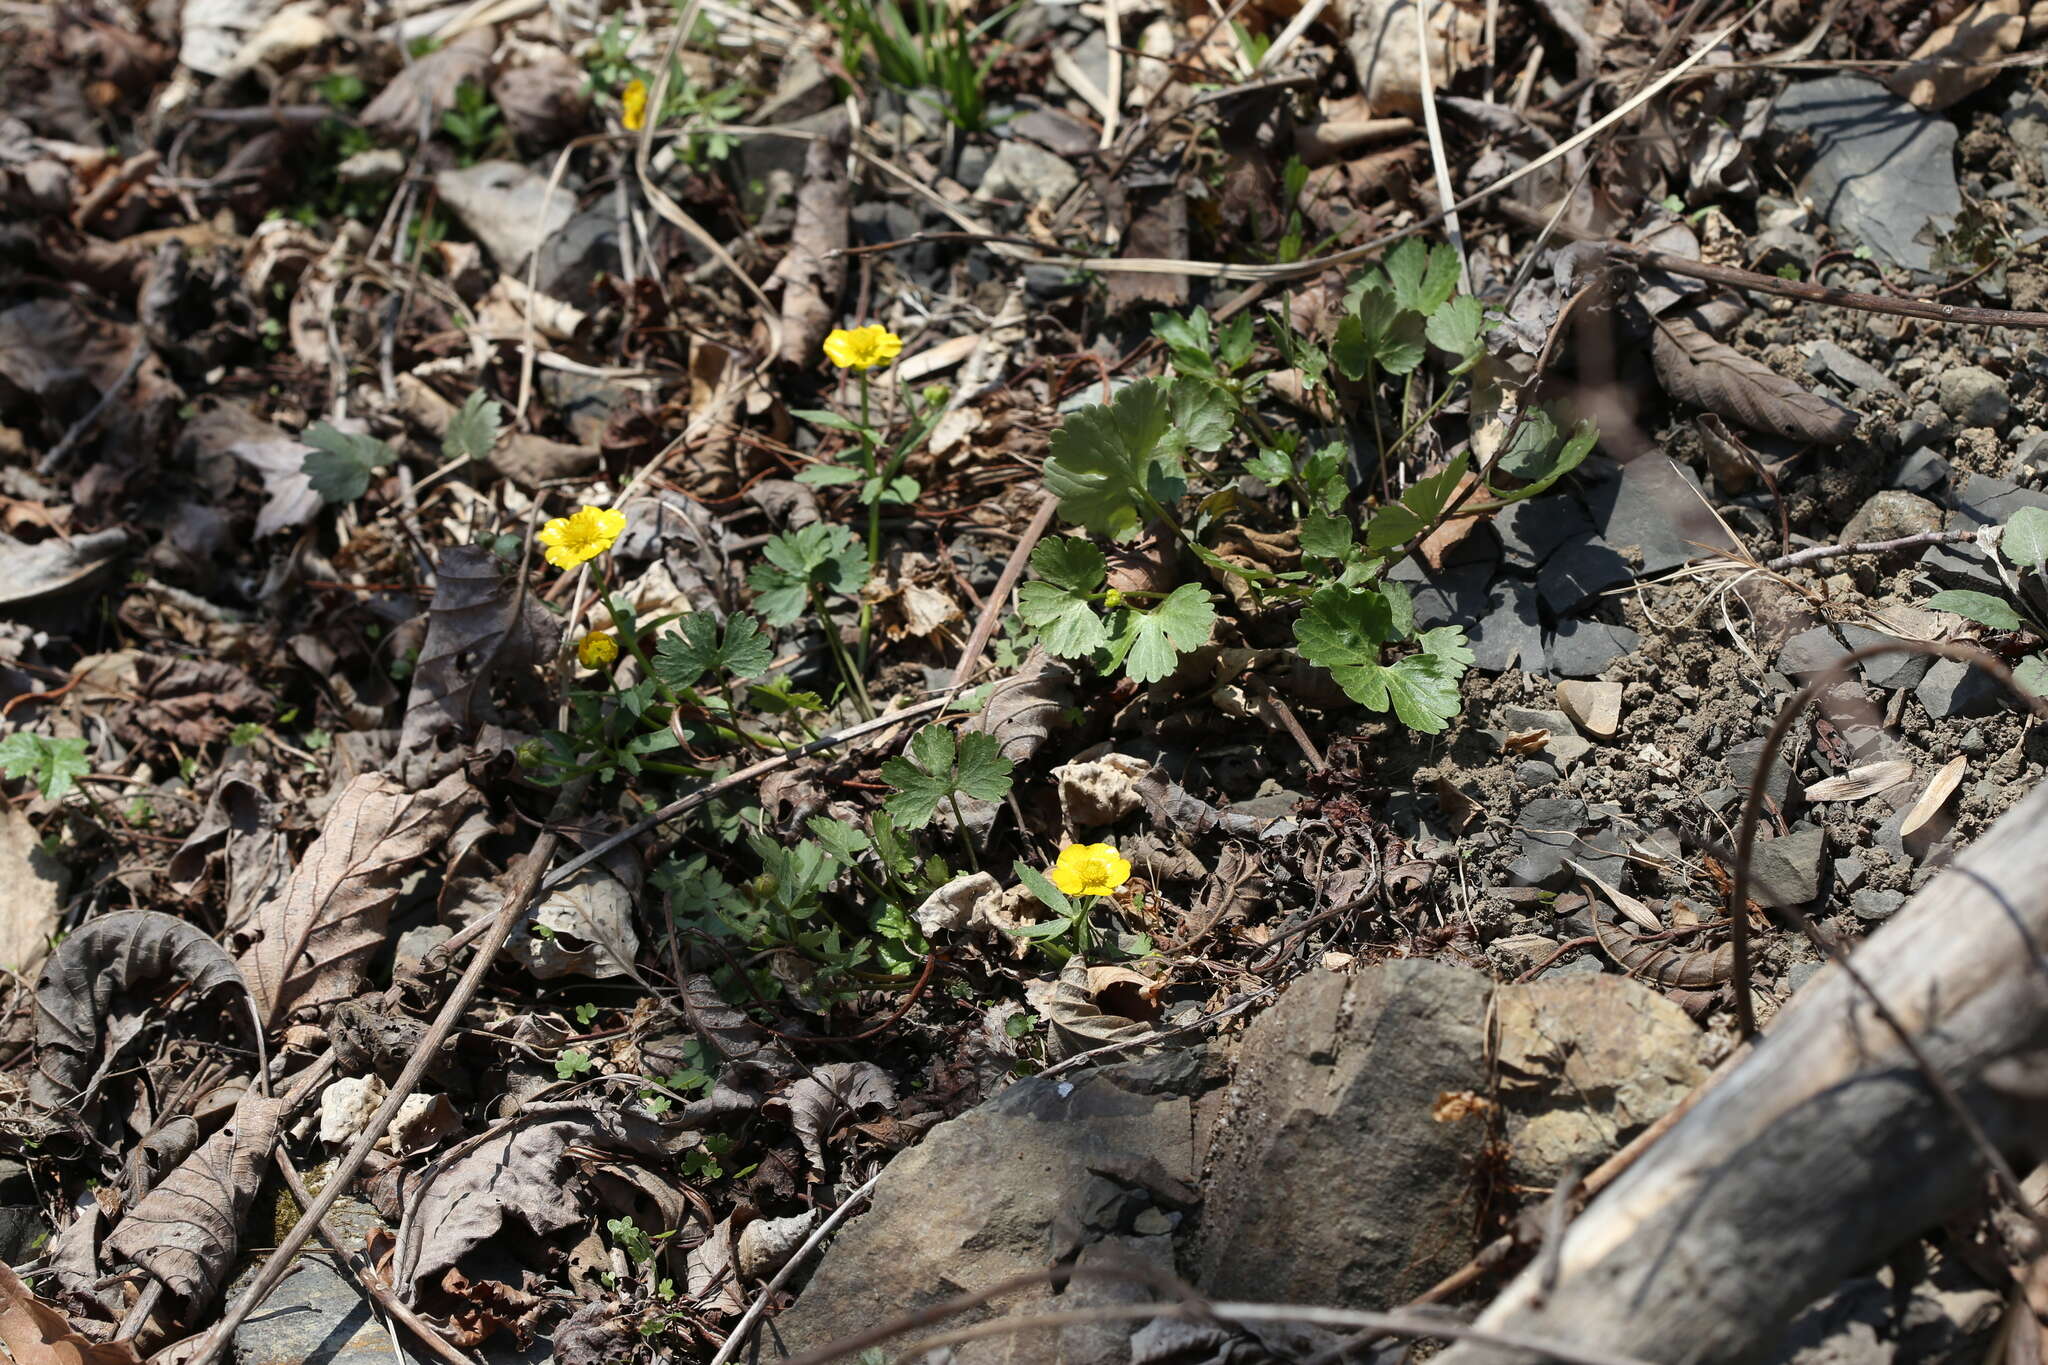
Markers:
point(960, 828)
point(846, 669)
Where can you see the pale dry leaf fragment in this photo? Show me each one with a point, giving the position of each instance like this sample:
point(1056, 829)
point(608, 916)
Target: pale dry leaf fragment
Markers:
point(711, 1274)
point(813, 272)
point(317, 936)
point(35, 885)
point(766, 1243)
point(347, 1106)
point(1075, 1022)
point(1936, 796)
point(589, 929)
point(1694, 368)
point(951, 907)
point(112, 954)
point(425, 89)
point(1380, 36)
point(1959, 58)
point(480, 624)
point(1867, 780)
point(819, 1102)
point(1627, 904)
point(187, 1230)
point(35, 1333)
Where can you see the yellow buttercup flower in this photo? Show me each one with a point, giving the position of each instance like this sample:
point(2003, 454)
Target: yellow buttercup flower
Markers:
point(588, 534)
point(597, 650)
point(1090, 870)
point(633, 105)
point(863, 348)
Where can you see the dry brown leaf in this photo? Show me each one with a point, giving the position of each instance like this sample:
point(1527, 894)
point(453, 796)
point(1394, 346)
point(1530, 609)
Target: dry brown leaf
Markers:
point(831, 1094)
point(1627, 904)
point(424, 90)
point(1936, 796)
point(1074, 1020)
point(34, 1333)
point(1857, 783)
point(1526, 741)
point(480, 622)
point(1380, 36)
point(318, 935)
point(813, 272)
point(187, 1230)
point(1694, 368)
point(112, 954)
point(1945, 68)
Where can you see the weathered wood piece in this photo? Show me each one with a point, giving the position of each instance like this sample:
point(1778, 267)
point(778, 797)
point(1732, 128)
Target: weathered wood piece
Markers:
point(1828, 1146)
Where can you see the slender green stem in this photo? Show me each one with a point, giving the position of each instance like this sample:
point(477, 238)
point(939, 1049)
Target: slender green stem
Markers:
point(846, 669)
point(867, 460)
point(1379, 440)
point(1422, 421)
point(960, 828)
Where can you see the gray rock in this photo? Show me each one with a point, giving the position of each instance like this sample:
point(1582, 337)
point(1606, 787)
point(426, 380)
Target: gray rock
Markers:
point(1585, 1064)
point(1891, 514)
point(1786, 870)
point(1583, 649)
point(1548, 834)
point(1655, 506)
point(1565, 744)
point(1534, 773)
point(1580, 569)
point(1742, 760)
point(1928, 426)
point(1530, 531)
point(1850, 873)
point(1873, 904)
point(1798, 974)
point(501, 204)
point(2031, 454)
point(1027, 173)
point(585, 402)
point(572, 260)
point(1985, 499)
point(1953, 688)
point(1810, 652)
point(1974, 396)
point(1005, 1189)
point(1853, 370)
point(1961, 566)
point(972, 169)
point(316, 1315)
point(17, 1186)
point(23, 1233)
point(1882, 170)
point(1509, 634)
point(1455, 595)
point(1332, 1110)
point(1922, 471)
point(414, 945)
point(1054, 130)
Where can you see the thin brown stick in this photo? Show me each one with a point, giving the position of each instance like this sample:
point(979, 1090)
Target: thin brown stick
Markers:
point(992, 610)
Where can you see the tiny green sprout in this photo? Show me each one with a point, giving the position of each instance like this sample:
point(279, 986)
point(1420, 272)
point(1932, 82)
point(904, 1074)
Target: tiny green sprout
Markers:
point(573, 1063)
point(585, 1014)
point(246, 733)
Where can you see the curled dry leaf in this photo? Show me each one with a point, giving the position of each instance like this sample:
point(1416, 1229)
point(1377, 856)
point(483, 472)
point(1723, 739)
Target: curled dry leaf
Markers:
point(1936, 796)
point(812, 273)
point(594, 910)
point(1960, 58)
point(820, 1101)
point(34, 1333)
point(479, 622)
point(412, 104)
point(1694, 368)
point(316, 938)
point(113, 954)
point(1627, 904)
point(187, 1230)
point(1074, 1020)
point(766, 1243)
point(1859, 782)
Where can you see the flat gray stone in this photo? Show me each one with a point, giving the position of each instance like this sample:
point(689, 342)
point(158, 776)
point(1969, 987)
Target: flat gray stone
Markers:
point(1922, 471)
point(1903, 669)
point(1027, 173)
point(1548, 834)
point(1890, 514)
point(1332, 1109)
point(1741, 761)
point(1985, 499)
point(1810, 652)
point(1583, 649)
point(506, 207)
point(1582, 568)
point(1054, 130)
point(1974, 396)
point(1452, 596)
point(1953, 688)
point(1872, 904)
point(1655, 506)
point(1509, 634)
point(1853, 370)
point(1786, 870)
point(1882, 169)
point(1962, 566)
point(1530, 531)
point(1565, 745)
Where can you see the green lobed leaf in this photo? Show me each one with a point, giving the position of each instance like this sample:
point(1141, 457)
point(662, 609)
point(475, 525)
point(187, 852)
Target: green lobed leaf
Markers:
point(1422, 278)
point(1422, 503)
point(2032, 674)
point(1105, 455)
point(980, 770)
point(1160, 636)
point(1270, 467)
point(1343, 627)
point(842, 840)
point(1568, 457)
point(922, 779)
point(1457, 327)
point(1069, 562)
point(1066, 621)
point(700, 647)
point(1234, 344)
point(2025, 541)
point(1382, 331)
point(474, 429)
point(1980, 607)
point(55, 765)
point(340, 462)
point(1202, 414)
point(1325, 536)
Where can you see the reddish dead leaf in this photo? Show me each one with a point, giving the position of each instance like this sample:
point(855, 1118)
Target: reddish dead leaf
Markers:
point(37, 1334)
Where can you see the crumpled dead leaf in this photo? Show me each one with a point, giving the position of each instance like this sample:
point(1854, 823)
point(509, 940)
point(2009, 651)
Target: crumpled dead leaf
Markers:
point(1380, 36)
point(191, 702)
point(229, 429)
point(426, 88)
point(1945, 67)
point(1020, 712)
point(1074, 1021)
point(1694, 368)
point(34, 1333)
point(812, 273)
point(111, 955)
point(819, 1102)
point(32, 573)
point(520, 1173)
point(480, 622)
point(766, 1243)
point(595, 910)
point(318, 935)
point(237, 843)
point(187, 1230)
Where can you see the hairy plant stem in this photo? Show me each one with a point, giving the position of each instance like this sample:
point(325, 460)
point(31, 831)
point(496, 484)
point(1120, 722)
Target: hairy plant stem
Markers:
point(852, 678)
point(960, 828)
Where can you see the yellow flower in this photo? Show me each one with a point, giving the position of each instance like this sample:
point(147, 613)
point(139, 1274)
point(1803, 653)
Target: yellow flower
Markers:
point(1090, 870)
point(863, 347)
point(588, 534)
point(633, 105)
point(597, 650)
